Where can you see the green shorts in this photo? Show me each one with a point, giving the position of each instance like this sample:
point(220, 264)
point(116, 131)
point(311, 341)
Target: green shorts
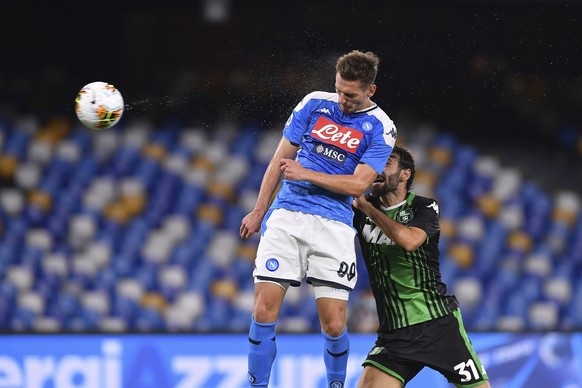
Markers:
point(441, 344)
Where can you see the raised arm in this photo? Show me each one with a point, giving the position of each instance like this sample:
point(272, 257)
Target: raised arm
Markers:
point(251, 223)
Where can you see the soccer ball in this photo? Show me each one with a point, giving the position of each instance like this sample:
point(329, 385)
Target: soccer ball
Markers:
point(99, 105)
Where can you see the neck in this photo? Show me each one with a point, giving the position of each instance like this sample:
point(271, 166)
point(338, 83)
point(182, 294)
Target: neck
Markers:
point(368, 104)
point(393, 197)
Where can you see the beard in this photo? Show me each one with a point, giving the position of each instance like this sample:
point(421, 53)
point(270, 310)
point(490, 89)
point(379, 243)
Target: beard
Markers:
point(390, 185)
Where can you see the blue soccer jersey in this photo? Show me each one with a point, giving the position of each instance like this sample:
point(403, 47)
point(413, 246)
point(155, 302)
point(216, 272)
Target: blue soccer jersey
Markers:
point(333, 142)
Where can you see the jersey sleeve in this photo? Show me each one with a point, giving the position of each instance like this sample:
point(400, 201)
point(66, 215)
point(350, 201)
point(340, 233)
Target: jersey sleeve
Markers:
point(426, 216)
point(298, 122)
point(380, 148)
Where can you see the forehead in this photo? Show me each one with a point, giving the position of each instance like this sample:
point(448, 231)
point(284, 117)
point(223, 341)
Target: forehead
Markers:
point(347, 86)
point(393, 160)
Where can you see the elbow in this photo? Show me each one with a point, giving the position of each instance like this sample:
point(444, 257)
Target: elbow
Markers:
point(409, 238)
point(409, 247)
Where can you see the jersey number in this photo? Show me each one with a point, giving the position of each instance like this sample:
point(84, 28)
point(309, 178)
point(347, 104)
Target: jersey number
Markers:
point(343, 270)
point(462, 369)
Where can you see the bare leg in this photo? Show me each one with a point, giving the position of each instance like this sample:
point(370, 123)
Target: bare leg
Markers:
point(373, 377)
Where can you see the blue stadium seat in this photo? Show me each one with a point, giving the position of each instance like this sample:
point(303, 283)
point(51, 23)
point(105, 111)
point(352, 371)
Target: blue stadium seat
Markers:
point(196, 186)
point(148, 320)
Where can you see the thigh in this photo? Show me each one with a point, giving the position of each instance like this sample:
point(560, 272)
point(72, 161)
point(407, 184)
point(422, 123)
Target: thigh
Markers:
point(279, 254)
point(440, 344)
point(453, 354)
point(373, 377)
point(331, 255)
point(391, 357)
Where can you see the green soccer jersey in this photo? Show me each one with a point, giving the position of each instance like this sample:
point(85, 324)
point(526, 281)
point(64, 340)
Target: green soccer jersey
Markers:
point(407, 286)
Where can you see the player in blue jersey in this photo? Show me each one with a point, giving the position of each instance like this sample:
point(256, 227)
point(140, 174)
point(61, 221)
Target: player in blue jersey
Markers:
point(333, 147)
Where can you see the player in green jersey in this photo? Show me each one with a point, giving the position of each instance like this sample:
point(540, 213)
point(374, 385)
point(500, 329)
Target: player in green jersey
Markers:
point(420, 324)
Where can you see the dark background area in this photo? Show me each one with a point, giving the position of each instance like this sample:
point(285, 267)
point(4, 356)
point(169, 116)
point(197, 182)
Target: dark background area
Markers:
point(503, 76)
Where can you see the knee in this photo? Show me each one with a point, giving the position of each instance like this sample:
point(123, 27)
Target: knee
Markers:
point(333, 327)
point(332, 315)
point(265, 313)
point(268, 302)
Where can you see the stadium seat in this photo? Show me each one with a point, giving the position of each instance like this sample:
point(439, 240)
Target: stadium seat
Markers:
point(543, 315)
point(136, 229)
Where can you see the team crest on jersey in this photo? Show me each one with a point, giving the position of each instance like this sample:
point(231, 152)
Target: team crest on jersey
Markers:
point(376, 350)
point(329, 132)
point(404, 216)
point(330, 153)
point(367, 126)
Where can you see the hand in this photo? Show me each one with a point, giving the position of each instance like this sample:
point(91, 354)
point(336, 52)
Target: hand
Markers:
point(250, 224)
point(292, 170)
point(360, 202)
point(366, 204)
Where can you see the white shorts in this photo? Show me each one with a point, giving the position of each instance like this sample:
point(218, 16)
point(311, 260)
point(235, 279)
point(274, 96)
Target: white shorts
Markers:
point(297, 245)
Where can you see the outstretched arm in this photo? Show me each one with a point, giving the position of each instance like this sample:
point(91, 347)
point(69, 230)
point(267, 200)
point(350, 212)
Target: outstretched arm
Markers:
point(354, 185)
point(409, 238)
point(251, 223)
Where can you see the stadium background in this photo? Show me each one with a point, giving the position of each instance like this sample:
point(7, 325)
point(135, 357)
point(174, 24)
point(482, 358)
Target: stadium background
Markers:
point(487, 94)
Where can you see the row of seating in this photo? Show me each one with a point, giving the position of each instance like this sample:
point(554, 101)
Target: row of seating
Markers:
point(136, 229)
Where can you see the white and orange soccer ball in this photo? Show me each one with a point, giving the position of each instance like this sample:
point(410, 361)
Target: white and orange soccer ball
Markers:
point(99, 105)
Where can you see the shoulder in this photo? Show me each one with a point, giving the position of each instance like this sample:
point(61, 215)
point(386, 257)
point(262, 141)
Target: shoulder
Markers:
point(425, 203)
point(420, 200)
point(386, 127)
point(317, 98)
point(379, 114)
point(319, 95)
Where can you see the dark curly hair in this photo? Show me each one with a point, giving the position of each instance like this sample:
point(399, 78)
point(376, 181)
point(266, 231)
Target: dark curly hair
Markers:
point(405, 162)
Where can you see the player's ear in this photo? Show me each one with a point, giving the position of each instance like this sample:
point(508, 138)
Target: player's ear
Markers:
point(371, 90)
point(405, 174)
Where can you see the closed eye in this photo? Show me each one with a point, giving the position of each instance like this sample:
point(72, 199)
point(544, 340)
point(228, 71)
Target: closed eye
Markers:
point(347, 95)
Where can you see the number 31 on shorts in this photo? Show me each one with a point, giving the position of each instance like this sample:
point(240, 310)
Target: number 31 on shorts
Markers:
point(462, 369)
